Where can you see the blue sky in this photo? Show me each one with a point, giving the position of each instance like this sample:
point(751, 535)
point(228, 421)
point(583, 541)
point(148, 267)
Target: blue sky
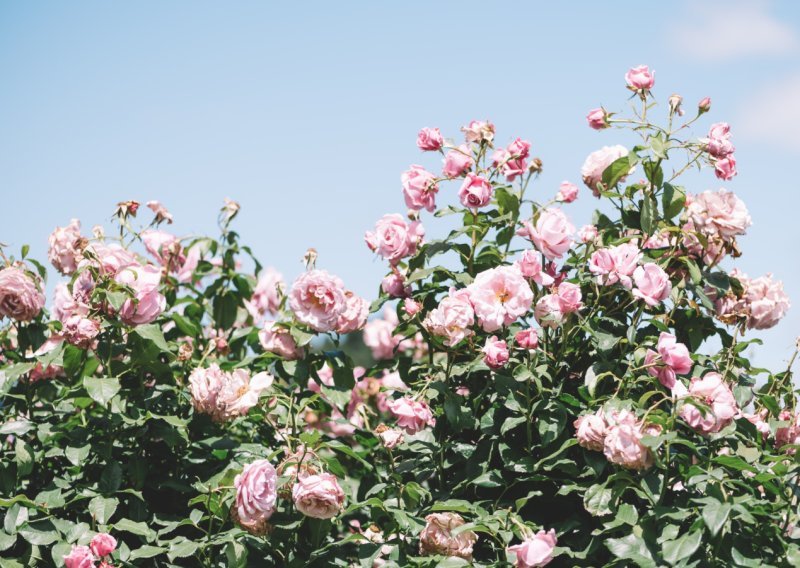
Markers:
point(307, 113)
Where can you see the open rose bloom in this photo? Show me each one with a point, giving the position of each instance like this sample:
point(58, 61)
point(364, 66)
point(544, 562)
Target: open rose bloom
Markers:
point(503, 378)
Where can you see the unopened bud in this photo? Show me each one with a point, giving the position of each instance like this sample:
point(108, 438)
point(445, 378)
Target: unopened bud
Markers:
point(536, 166)
point(675, 105)
point(704, 105)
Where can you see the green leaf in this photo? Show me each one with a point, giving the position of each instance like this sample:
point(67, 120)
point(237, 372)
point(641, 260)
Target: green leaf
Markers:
point(672, 200)
point(103, 508)
point(715, 514)
point(681, 548)
point(236, 555)
point(618, 169)
point(15, 517)
point(146, 551)
point(101, 390)
point(632, 547)
point(182, 549)
point(133, 527)
point(40, 533)
point(6, 540)
point(225, 307)
point(23, 456)
point(111, 478)
point(151, 332)
point(648, 218)
point(596, 500)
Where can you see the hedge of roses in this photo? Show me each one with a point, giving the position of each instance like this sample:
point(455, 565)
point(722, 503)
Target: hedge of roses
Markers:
point(536, 393)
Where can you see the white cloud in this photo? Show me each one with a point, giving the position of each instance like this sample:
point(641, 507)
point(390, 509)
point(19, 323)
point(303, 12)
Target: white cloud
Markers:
point(724, 30)
point(772, 114)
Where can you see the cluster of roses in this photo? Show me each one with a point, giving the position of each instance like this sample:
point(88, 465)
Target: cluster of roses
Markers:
point(100, 548)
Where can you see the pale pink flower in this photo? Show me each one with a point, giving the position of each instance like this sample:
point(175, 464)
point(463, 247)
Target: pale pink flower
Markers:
point(478, 131)
point(64, 252)
point(569, 297)
point(548, 311)
point(597, 119)
point(318, 496)
point(103, 544)
point(495, 353)
point(80, 331)
point(597, 162)
point(429, 139)
point(552, 233)
point(267, 294)
point(411, 307)
point(590, 430)
point(527, 339)
point(475, 192)
point(453, 318)
point(766, 301)
point(379, 335)
point(725, 168)
point(394, 285)
point(530, 266)
point(21, 296)
point(712, 391)
point(536, 550)
point(147, 302)
point(640, 78)
point(391, 438)
point(567, 192)
point(437, 537)
point(622, 444)
point(223, 395)
point(790, 433)
point(419, 188)
point(80, 557)
point(317, 299)
point(110, 258)
point(278, 340)
point(164, 247)
point(718, 142)
point(161, 212)
point(704, 105)
point(499, 296)
point(354, 316)
point(652, 284)
point(615, 264)
point(393, 238)
point(412, 415)
point(719, 212)
point(671, 358)
point(256, 495)
point(587, 233)
point(185, 272)
point(457, 162)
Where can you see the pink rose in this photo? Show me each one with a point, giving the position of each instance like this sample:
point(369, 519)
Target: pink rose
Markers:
point(278, 340)
point(256, 495)
point(110, 259)
point(80, 331)
point(718, 143)
point(318, 496)
point(147, 302)
point(590, 430)
point(495, 353)
point(453, 318)
point(429, 139)
point(615, 264)
point(597, 119)
point(519, 148)
point(379, 335)
point(161, 212)
point(164, 247)
point(725, 169)
point(354, 316)
point(65, 247)
point(567, 192)
point(391, 438)
point(393, 238)
point(719, 212)
point(704, 105)
point(587, 234)
point(536, 550)
point(652, 284)
point(475, 192)
point(548, 311)
point(79, 557)
point(527, 339)
point(790, 433)
point(640, 78)
point(317, 299)
point(569, 297)
point(622, 444)
point(437, 537)
point(712, 391)
point(394, 285)
point(552, 233)
point(597, 162)
point(499, 296)
point(671, 358)
point(509, 165)
point(419, 188)
point(411, 307)
point(478, 131)
point(223, 395)
point(412, 415)
point(457, 162)
point(530, 266)
point(103, 544)
point(766, 301)
point(21, 296)
point(267, 294)
point(189, 264)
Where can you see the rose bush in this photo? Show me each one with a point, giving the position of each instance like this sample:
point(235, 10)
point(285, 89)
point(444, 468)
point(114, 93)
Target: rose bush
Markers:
point(526, 394)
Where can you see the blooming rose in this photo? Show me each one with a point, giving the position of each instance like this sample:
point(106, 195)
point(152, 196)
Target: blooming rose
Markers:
point(766, 301)
point(587, 233)
point(318, 496)
point(21, 296)
point(394, 285)
point(590, 430)
point(534, 551)
point(475, 192)
point(379, 335)
point(278, 340)
point(457, 162)
point(147, 302)
point(622, 444)
point(223, 395)
point(79, 557)
point(719, 212)
point(318, 299)
point(109, 259)
point(354, 316)
point(437, 538)
point(419, 188)
point(256, 495)
point(103, 544)
point(548, 311)
point(652, 284)
point(266, 298)
point(393, 238)
point(597, 162)
point(429, 139)
point(390, 437)
point(597, 119)
point(453, 318)
point(511, 160)
point(615, 264)
point(527, 339)
point(80, 331)
point(412, 415)
point(718, 142)
point(495, 353)
point(640, 78)
point(725, 169)
point(551, 234)
point(567, 192)
point(671, 358)
point(411, 307)
point(65, 247)
point(714, 393)
point(478, 131)
point(164, 247)
point(530, 266)
point(569, 297)
point(499, 296)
